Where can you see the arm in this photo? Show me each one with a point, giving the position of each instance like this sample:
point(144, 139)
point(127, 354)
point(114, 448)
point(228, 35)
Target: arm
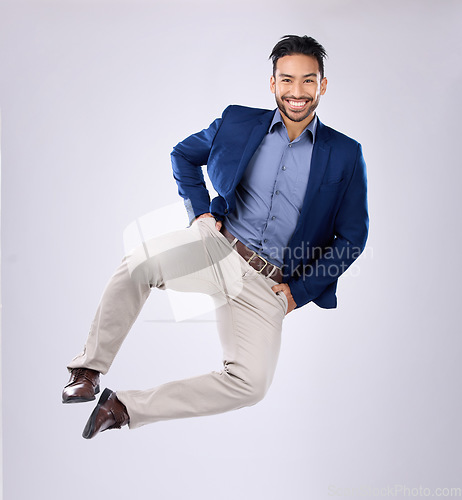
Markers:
point(188, 157)
point(351, 228)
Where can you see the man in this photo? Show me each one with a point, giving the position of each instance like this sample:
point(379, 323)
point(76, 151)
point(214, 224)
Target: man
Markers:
point(290, 217)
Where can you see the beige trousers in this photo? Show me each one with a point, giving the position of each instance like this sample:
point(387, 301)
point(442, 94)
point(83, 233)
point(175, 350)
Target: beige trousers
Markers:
point(249, 319)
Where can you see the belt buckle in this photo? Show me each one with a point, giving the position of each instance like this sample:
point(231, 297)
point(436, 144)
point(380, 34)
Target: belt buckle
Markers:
point(255, 254)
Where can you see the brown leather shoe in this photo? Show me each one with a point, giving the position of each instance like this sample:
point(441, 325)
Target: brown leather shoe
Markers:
point(82, 386)
point(110, 413)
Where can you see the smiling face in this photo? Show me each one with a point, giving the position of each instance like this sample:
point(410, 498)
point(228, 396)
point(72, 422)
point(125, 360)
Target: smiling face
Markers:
point(298, 87)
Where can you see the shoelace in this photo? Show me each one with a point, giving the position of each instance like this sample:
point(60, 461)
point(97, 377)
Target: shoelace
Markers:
point(79, 373)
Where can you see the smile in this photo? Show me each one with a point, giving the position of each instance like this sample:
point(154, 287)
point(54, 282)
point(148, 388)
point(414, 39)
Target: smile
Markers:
point(296, 104)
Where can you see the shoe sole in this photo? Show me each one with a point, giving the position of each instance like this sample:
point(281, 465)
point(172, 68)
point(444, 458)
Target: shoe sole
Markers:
point(89, 430)
point(81, 400)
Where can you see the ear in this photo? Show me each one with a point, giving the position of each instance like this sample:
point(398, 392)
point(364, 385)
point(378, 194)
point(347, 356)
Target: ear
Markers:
point(323, 85)
point(272, 85)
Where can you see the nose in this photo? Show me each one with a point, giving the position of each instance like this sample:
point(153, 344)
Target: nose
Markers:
point(297, 89)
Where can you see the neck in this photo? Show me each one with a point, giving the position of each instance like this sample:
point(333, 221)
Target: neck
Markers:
point(294, 129)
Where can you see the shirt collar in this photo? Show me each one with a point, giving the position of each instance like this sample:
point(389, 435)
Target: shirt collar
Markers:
point(277, 118)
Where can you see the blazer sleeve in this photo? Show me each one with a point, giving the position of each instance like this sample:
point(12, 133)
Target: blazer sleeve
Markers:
point(350, 235)
point(188, 157)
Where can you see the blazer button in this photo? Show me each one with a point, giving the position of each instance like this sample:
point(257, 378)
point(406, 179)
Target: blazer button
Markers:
point(226, 210)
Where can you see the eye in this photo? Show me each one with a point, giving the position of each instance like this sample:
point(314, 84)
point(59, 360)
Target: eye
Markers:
point(286, 80)
point(308, 81)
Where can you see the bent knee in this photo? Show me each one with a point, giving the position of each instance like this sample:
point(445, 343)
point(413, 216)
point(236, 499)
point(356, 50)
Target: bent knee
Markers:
point(251, 388)
point(257, 393)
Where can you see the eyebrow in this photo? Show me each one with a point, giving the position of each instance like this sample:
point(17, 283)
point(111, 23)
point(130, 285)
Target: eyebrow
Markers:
point(284, 75)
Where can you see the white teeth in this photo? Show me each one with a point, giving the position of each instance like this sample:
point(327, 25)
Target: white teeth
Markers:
point(297, 104)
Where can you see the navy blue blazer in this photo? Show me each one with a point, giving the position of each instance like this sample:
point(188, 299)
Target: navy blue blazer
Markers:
point(332, 228)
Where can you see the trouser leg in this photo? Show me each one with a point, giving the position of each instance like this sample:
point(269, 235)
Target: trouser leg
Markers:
point(249, 325)
point(119, 307)
point(180, 259)
point(249, 315)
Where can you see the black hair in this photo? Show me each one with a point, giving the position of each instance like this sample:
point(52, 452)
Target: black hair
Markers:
point(294, 44)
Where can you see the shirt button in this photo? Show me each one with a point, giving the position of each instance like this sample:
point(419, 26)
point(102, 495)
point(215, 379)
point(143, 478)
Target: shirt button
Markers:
point(284, 167)
point(277, 192)
point(265, 241)
point(290, 145)
point(273, 218)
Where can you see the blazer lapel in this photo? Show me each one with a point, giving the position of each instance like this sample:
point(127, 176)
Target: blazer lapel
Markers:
point(256, 136)
point(319, 159)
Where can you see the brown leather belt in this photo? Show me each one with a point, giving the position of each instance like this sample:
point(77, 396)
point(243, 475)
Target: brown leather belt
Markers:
point(260, 264)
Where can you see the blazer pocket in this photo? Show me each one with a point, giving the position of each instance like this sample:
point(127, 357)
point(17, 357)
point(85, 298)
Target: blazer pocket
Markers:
point(331, 186)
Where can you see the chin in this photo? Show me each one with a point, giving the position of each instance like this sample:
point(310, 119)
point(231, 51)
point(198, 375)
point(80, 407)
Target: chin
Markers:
point(299, 118)
point(296, 117)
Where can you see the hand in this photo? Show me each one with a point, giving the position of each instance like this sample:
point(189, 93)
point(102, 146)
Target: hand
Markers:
point(284, 287)
point(218, 223)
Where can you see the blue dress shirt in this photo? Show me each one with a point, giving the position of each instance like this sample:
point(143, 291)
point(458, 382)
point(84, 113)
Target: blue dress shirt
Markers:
point(270, 196)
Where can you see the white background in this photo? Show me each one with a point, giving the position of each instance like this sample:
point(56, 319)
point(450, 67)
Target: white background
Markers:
point(94, 95)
